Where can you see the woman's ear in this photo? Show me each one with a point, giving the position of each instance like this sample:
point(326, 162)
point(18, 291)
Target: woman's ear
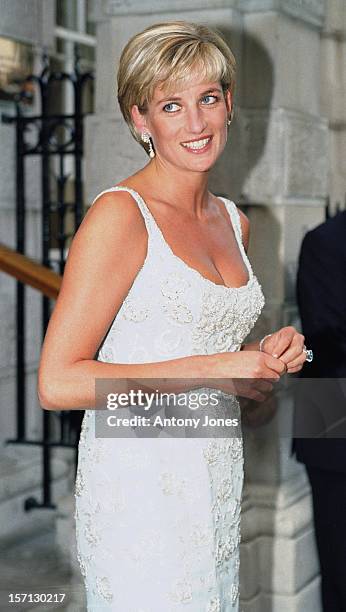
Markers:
point(138, 119)
point(229, 101)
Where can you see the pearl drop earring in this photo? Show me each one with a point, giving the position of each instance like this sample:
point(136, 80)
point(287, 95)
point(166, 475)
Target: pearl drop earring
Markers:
point(230, 118)
point(147, 139)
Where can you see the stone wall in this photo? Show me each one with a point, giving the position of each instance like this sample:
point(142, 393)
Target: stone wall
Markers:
point(333, 96)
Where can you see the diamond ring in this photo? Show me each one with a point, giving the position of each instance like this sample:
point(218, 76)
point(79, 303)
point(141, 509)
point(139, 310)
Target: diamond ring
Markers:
point(309, 354)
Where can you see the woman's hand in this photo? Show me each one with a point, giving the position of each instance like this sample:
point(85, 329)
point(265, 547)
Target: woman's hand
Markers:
point(249, 374)
point(287, 345)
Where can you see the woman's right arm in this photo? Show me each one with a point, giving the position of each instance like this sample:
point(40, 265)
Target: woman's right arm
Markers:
point(106, 254)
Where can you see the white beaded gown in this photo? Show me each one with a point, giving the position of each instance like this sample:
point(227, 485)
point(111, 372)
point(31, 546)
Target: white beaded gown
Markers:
point(158, 519)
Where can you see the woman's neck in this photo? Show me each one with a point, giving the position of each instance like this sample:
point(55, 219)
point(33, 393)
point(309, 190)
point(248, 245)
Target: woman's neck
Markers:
point(187, 190)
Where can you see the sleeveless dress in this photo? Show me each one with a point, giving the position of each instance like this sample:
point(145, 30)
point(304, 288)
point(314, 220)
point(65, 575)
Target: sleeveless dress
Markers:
point(158, 519)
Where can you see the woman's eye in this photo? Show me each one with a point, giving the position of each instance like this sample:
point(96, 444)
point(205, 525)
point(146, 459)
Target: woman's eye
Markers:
point(209, 99)
point(171, 107)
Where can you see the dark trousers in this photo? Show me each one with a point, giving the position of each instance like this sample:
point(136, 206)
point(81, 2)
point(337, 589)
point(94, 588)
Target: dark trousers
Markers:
point(329, 506)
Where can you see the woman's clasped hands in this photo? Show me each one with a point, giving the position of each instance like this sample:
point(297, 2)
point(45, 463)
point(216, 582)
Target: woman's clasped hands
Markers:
point(252, 373)
point(287, 345)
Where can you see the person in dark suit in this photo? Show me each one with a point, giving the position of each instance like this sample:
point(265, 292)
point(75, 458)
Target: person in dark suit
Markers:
point(320, 398)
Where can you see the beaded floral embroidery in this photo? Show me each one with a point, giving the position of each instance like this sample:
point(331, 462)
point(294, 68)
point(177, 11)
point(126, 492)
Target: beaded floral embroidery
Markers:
point(226, 319)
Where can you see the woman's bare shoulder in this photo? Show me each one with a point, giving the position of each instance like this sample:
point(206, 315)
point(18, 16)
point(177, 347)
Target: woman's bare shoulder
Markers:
point(110, 230)
point(112, 204)
point(245, 227)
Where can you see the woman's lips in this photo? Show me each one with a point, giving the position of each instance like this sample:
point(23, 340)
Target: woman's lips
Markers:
point(197, 146)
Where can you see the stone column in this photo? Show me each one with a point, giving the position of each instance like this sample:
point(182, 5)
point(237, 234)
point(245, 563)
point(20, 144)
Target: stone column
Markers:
point(283, 169)
point(333, 95)
point(275, 162)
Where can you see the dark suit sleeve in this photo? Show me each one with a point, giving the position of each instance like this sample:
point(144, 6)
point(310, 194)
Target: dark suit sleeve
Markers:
point(321, 297)
point(321, 288)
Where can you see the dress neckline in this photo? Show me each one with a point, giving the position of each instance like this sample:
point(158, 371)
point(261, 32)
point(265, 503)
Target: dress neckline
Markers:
point(181, 261)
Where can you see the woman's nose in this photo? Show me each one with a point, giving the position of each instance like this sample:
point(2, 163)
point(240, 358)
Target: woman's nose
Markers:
point(196, 121)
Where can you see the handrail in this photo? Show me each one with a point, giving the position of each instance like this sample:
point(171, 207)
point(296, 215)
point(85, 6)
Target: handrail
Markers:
point(30, 272)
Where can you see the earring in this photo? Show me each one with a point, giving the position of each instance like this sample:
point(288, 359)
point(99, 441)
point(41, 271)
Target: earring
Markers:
point(230, 118)
point(147, 139)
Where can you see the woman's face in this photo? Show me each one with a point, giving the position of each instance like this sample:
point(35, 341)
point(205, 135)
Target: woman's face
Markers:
point(188, 127)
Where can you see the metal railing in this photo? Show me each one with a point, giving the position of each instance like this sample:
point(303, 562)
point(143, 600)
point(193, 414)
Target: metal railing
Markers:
point(47, 136)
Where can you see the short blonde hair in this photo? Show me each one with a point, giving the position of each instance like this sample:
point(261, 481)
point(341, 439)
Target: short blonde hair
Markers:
point(166, 54)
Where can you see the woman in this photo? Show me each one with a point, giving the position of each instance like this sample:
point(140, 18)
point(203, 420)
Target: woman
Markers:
point(158, 280)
